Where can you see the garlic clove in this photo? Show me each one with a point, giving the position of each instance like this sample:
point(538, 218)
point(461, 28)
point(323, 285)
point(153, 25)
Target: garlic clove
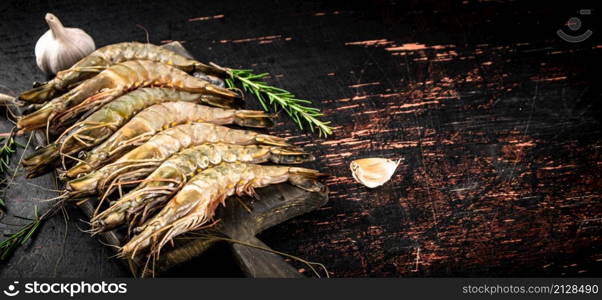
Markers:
point(60, 47)
point(373, 172)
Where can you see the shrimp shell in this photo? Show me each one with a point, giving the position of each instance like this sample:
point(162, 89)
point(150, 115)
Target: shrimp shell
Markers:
point(107, 56)
point(111, 83)
point(97, 127)
point(170, 141)
point(194, 205)
point(159, 117)
point(175, 171)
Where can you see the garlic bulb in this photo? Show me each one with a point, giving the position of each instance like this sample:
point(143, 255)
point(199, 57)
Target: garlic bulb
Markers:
point(59, 48)
point(373, 172)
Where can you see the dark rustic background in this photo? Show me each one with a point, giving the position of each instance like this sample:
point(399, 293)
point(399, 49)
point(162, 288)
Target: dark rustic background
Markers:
point(496, 118)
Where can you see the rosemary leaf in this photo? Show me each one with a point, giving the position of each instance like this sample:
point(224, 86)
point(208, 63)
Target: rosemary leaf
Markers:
point(269, 95)
point(23, 235)
point(10, 244)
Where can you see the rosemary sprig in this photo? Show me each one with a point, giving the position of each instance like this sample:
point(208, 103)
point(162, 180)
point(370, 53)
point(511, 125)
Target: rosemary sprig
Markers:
point(267, 95)
point(10, 244)
point(25, 233)
point(7, 149)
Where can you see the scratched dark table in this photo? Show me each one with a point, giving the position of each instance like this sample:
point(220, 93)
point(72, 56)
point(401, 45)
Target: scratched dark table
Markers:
point(496, 120)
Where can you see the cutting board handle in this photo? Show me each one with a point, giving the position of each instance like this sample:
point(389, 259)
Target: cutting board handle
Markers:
point(259, 263)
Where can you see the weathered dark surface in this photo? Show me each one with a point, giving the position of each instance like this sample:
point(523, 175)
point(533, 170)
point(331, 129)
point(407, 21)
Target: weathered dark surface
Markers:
point(496, 118)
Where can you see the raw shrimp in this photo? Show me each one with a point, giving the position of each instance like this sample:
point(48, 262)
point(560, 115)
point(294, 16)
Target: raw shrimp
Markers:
point(107, 56)
point(159, 117)
point(97, 127)
point(168, 142)
point(194, 205)
point(167, 178)
point(111, 83)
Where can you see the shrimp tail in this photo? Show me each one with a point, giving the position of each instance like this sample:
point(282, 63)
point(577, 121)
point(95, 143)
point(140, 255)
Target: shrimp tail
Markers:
point(306, 179)
point(216, 90)
point(42, 160)
point(271, 140)
point(201, 67)
point(39, 94)
point(254, 118)
point(290, 155)
point(223, 102)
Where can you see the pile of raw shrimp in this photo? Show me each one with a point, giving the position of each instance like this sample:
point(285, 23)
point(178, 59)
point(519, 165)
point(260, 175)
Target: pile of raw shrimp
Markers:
point(133, 128)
